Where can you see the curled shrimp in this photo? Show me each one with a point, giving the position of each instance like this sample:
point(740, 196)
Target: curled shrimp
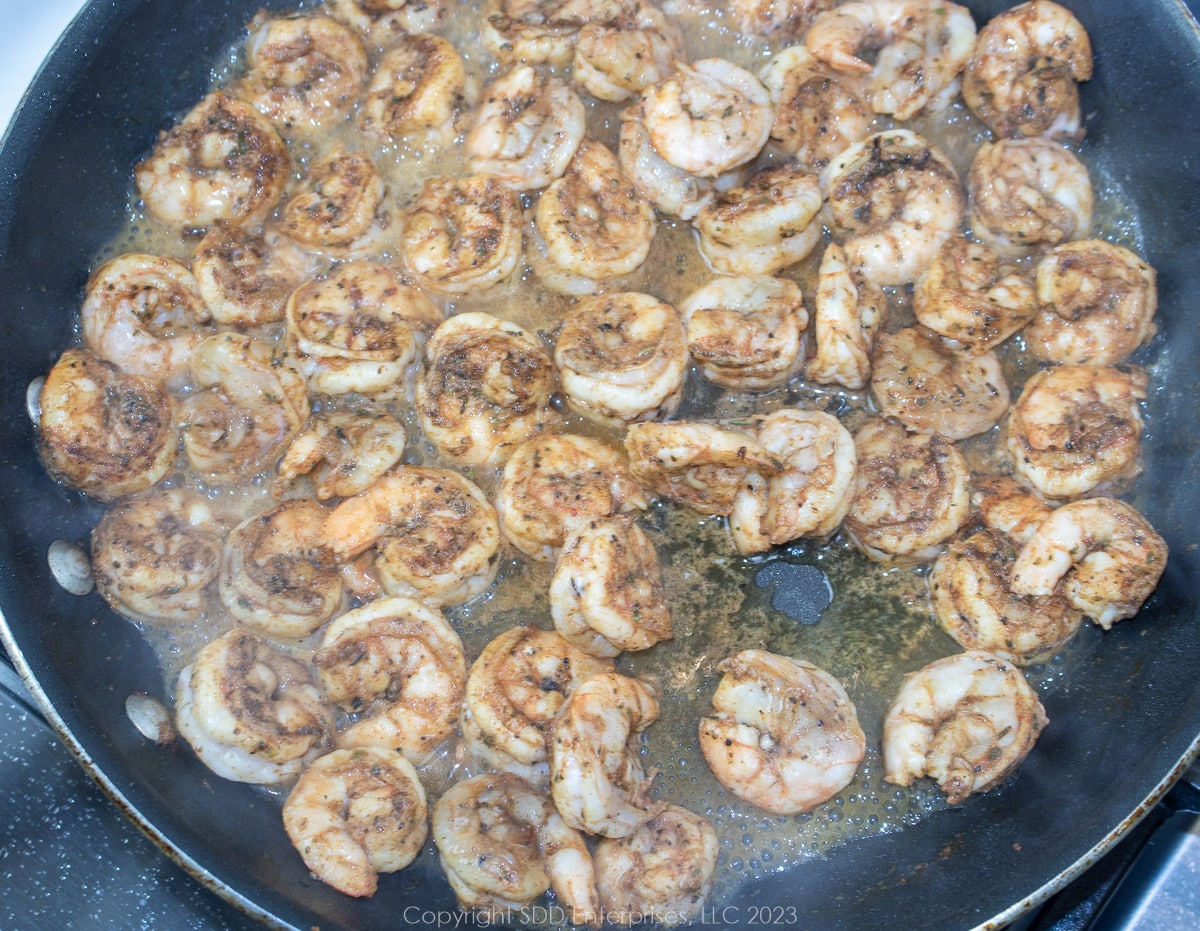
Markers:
point(1023, 78)
point(966, 721)
point(245, 273)
point(672, 190)
point(1004, 504)
point(543, 31)
point(596, 776)
point(155, 556)
point(515, 690)
point(622, 357)
point(104, 431)
point(343, 451)
point(251, 712)
point(419, 87)
point(777, 19)
point(1105, 553)
point(384, 23)
point(399, 666)
point(618, 60)
point(341, 209)
point(784, 734)
point(434, 534)
point(848, 312)
point(354, 814)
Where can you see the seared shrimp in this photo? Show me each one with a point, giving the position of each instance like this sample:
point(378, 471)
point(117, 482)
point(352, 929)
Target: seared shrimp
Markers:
point(762, 226)
point(1028, 194)
point(251, 403)
point(931, 386)
point(304, 73)
point(1023, 78)
point(543, 31)
point(514, 691)
point(812, 494)
point(596, 776)
point(341, 209)
point(849, 311)
point(746, 332)
point(271, 579)
point(462, 234)
point(245, 273)
point(486, 387)
point(698, 465)
point(156, 555)
point(784, 734)
point(606, 594)
point(418, 88)
point(910, 492)
point(923, 47)
point(223, 161)
point(502, 845)
point(895, 199)
point(777, 19)
point(358, 328)
point(618, 60)
point(663, 869)
point(1105, 553)
point(343, 452)
point(354, 814)
point(1002, 503)
point(251, 712)
point(434, 533)
point(551, 482)
point(1076, 428)
point(384, 23)
point(622, 357)
point(102, 430)
point(144, 313)
point(708, 117)
point(399, 666)
point(672, 190)
point(1097, 304)
point(526, 129)
point(966, 721)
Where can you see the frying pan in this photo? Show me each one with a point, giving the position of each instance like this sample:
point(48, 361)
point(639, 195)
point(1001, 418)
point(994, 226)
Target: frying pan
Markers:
point(1123, 727)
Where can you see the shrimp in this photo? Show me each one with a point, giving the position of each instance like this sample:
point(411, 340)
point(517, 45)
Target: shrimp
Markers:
point(819, 113)
point(434, 534)
point(502, 844)
point(343, 451)
point(399, 666)
point(462, 234)
point(155, 556)
point(354, 814)
point(896, 199)
point(592, 224)
point(145, 314)
point(697, 465)
point(104, 431)
point(606, 593)
point(622, 357)
point(1004, 504)
point(1076, 428)
point(245, 273)
point(358, 328)
point(924, 45)
point(910, 492)
point(515, 689)
point(777, 19)
point(418, 88)
point(966, 721)
point(526, 129)
point(1023, 78)
point(849, 311)
point(1097, 302)
point(812, 494)
point(271, 580)
point(223, 161)
point(932, 387)
point(762, 226)
point(1028, 194)
point(543, 31)
point(1107, 556)
point(746, 332)
point(386, 23)
point(708, 117)
point(596, 776)
point(251, 712)
point(672, 190)
point(554, 481)
point(784, 735)
point(303, 73)
point(663, 870)
point(618, 60)
point(251, 402)
point(486, 387)
point(341, 209)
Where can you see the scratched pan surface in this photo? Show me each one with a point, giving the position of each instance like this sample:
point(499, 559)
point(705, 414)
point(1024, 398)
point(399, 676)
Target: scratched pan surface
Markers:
point(1121, 731)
